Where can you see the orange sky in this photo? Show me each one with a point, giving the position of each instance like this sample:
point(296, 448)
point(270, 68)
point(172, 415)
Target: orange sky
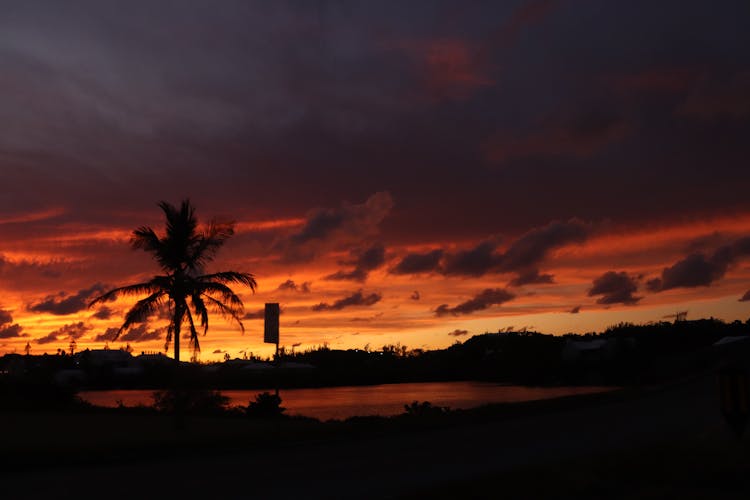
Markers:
point(396, 317)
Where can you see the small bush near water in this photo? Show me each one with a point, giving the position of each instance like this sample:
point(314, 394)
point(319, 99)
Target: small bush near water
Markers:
point(196, 401)
point(266, 405)
point(424, 409)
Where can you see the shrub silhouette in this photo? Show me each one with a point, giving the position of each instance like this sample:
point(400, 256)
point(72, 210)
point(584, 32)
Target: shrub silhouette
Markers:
point(424, 409)
point(266, 405)
point(196, 401)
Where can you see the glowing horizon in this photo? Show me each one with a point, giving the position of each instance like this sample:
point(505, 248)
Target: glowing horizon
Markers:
point(398, 315)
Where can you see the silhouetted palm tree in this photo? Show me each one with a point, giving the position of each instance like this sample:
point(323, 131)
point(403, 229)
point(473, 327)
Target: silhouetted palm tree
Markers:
point(182, 253)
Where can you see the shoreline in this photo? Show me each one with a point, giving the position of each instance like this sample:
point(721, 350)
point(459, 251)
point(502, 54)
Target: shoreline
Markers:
point(379, 399)
point(122, 435)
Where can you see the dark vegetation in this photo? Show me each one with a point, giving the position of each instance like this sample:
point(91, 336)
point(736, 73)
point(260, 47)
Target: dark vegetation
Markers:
point(195, 402)
point(96, 435)
point(622, 355)
point(266, 405)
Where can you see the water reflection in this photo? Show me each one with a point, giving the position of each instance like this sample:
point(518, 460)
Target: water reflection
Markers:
point(387, 399)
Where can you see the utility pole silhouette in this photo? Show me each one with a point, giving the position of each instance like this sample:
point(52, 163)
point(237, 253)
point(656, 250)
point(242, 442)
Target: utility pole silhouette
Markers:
point(678, 316)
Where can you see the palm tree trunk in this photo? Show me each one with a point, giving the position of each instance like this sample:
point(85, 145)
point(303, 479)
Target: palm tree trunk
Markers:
point(176, 342)
point(178, 387)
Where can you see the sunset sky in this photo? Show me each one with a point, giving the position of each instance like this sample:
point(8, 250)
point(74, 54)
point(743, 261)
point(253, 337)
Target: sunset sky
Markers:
point(412, 172)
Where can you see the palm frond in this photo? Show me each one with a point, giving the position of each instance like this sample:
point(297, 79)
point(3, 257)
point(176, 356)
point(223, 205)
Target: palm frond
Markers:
point(195, 344)
point(155, 284)
point(224, 277)
point(142, 310)
point(224, 292)
point(170, 332)
point(199, 306)
point(226, 311)
point(180, 236)
point(209, 242)
point(145, 238)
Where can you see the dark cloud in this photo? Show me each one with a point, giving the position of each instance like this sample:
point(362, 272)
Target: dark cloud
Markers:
point(694, 270)
point(8, 329)
point(141, 333)
point(367, 319)
point(417, 263)
point(706, 243)
point(12, 331)
point(349, 223)
point(217, 351)
point(700, 269)
point(366, 260)
point(740, 248)
point(575, 310)
point(290, 285)
point(522, 256)
point(226, 99)
point(69, 331)
point(483, 300)
point(746, 297)
point(532, 277)
point(63, 304)
point(73, 330)
point(615, 288)
point(104, 312)
point(108, 336)
point(458, 333)
point(415, 295)
point(259, 314)
point(531, 248)
point(358, 298)
point(25, 273)
point(320, 224)
point(474, 262)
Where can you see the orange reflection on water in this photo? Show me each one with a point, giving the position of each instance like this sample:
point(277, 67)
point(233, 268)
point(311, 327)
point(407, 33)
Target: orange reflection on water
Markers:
point(387, 399)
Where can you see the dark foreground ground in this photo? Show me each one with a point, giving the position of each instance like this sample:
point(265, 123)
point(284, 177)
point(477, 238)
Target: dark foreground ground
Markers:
point(669, 442)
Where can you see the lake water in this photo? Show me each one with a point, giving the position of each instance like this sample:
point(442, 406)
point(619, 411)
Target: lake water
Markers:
point(387, 399)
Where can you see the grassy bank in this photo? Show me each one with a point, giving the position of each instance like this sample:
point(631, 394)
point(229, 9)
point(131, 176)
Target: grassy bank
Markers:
point(96, 435)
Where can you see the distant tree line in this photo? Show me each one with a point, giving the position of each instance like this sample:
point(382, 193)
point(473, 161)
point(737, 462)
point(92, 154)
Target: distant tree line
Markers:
point(623, 354)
